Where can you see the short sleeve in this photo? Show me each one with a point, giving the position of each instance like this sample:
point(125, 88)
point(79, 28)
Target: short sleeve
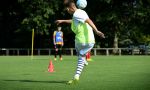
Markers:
point(54, 33)
point(81, 16)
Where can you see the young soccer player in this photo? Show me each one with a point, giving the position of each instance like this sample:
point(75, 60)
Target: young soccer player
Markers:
point(58, 42)
point(83, 27)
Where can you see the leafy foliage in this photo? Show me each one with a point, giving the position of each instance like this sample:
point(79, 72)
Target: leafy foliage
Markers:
point(126, 20)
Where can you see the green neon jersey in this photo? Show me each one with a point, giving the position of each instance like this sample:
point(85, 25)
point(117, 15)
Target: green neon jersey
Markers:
point(84, 33)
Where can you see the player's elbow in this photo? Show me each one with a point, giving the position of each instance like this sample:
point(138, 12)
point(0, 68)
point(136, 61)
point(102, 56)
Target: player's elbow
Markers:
point(88, 20)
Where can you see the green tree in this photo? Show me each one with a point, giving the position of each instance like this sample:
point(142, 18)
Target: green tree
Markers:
point(124, 20)
point(40, 15)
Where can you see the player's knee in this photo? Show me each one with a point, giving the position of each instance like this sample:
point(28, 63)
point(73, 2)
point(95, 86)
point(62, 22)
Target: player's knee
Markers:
point(82, 55)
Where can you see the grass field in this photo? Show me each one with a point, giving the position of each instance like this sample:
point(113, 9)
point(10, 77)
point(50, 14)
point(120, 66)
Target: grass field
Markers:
point(104, 73)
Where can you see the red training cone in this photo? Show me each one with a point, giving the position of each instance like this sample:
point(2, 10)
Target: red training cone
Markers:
point(51, 67)
point(88, 56)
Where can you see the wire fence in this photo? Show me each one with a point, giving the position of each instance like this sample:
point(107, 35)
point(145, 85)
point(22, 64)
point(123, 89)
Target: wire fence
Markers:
point(72, 51)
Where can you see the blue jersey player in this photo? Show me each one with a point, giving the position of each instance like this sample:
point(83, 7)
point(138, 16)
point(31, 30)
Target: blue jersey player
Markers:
point(58, 42)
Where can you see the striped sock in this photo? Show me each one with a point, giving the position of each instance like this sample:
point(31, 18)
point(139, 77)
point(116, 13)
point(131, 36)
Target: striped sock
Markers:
point(79, 68)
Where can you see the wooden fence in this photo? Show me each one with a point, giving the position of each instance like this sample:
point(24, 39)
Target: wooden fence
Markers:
point(71, 51)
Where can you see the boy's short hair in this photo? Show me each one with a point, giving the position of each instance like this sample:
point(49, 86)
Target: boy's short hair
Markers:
point(68, 3)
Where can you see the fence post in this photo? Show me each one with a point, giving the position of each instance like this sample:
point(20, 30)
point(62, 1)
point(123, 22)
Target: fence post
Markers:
point(49, 51)
point(95, 52)
point(107, 52)
point(18, 52)
point(28, 52)
point(71, 51)
point(120, 51)
point(7, 52)
point(38, 51)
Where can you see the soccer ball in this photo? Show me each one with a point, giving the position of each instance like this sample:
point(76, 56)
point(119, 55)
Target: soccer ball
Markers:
point(81, 4)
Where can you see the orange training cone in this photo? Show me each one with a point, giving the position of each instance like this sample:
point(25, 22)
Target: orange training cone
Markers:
point(51, 67)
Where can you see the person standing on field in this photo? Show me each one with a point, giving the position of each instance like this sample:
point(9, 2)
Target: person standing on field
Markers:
point(58, 42)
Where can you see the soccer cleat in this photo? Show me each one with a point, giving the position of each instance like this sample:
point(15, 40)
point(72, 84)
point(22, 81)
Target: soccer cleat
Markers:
point(85, 63)
point(73, 81)
point(55, 59)
point(60, 58)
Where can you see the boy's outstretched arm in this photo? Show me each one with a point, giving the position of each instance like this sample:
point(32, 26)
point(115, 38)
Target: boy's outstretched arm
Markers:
point(54, 38)
point(63, 21)
point(90, 22)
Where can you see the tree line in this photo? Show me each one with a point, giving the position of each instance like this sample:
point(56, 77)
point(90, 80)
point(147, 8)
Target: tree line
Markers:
point(124, 22)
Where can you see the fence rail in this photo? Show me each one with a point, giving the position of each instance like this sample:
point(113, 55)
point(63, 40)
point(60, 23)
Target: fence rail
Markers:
point(71, 51)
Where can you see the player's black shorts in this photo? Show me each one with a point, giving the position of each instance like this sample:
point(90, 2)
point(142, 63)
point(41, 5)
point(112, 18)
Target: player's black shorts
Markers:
point(58, 46)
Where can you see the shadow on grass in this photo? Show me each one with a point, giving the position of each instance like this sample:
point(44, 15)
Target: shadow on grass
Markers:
point(62, 82)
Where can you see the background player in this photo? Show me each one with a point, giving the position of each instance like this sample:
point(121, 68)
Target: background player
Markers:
point(58, 42)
